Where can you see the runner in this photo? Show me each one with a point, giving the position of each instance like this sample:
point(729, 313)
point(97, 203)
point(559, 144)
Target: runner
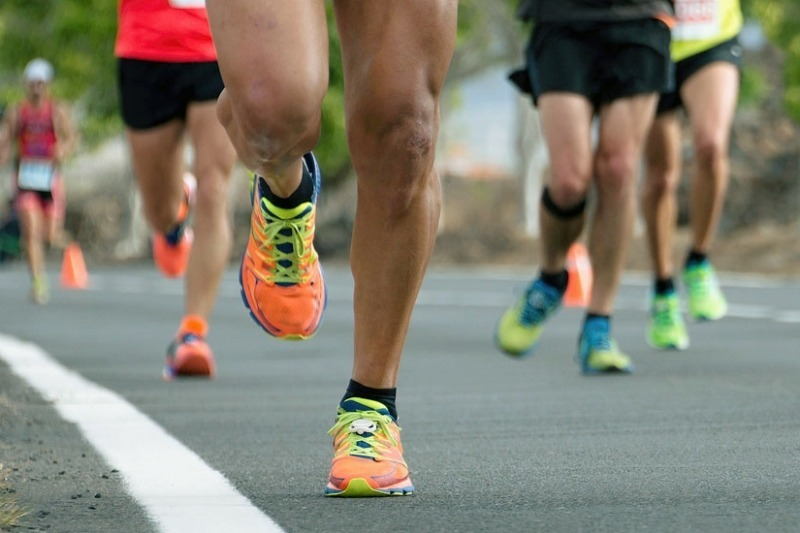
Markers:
point(585, 60)
point(169, 82)
point(41, 131)
point(707, 58)
point(274, 58)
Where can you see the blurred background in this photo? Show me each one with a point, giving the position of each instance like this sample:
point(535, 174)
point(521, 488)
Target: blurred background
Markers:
point(491, 156)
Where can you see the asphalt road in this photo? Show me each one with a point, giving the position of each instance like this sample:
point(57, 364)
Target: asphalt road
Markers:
point(702, 440)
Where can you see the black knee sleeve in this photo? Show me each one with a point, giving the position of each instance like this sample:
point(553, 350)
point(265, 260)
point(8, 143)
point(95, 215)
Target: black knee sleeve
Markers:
point(562, 212)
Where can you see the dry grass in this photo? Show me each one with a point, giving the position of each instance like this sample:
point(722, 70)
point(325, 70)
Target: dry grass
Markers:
point(10, 511)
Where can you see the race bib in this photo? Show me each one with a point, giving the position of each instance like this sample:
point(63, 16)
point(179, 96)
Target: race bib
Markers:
point(188, 4)
point(35, 175)
point(697, 20)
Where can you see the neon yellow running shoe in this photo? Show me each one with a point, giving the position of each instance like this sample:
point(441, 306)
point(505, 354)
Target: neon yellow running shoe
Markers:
point(598, 353)
point(666, 329)
point(706, 301)
point(40, 292)
point(520, 327)
point(368, 455)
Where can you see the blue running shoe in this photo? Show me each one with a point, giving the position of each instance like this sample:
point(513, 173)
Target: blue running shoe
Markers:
point(520, 326)
point(598, 352)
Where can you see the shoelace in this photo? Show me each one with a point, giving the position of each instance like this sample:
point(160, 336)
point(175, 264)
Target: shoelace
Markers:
point(663, 313)
point(361, 428)
point(701, 281)
point(538, 304)
point(284, 247)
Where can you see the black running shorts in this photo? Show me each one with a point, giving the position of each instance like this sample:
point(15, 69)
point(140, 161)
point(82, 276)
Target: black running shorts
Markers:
point(601, 61)
point(154, 92)
point(729, 52)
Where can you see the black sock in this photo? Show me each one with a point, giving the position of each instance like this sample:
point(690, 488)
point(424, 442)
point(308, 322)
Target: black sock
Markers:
point(664, 286)
point(304, 192)
point(695, 257)
point(386, 396)
point(558, 280)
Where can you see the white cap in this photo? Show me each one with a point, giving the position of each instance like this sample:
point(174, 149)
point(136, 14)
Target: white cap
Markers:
point(38, 70)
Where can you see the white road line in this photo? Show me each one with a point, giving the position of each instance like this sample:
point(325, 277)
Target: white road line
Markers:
point(176, 488)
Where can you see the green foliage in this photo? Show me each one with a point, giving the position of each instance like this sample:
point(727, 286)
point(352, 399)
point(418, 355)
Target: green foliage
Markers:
point(77, 36)
point(781, 22)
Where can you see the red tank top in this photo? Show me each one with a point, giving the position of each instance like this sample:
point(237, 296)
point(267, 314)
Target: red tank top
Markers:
point(36, 134)
point(172, 31)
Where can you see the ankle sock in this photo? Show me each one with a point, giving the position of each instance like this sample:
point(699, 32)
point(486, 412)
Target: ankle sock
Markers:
point(385, 396)
point(304, 192)
point(664, 286)
point(558, 280)
point(695, 258)
point(194, 324)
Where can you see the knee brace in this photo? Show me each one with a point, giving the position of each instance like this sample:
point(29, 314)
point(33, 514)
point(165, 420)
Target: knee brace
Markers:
point(563, 213)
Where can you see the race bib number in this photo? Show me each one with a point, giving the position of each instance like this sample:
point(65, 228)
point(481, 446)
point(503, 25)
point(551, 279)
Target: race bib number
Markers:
point(697, 20)
point(35, 175)
point(188, 4)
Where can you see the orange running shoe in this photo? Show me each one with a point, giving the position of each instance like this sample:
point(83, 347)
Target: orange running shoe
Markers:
point(171, 250)
point(367, 454)
point(189, 354)
point(280, 276)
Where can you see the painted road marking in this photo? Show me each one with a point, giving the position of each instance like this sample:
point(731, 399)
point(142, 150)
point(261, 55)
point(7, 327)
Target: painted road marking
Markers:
point(176, 488)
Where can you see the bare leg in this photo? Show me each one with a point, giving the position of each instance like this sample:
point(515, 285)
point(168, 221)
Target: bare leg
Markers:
point(710, 97)
point(32, 227)
point(214, 158)
point(396, 56)
point(276, 74)
point(659, 194)
point(623, 127)
point(566, 121)
point(157, 158)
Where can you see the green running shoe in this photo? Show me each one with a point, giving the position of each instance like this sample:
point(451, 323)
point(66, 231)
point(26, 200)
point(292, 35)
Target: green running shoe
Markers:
point(520, 326)
point(598, 352)
point(706, 301)
point(666, 330)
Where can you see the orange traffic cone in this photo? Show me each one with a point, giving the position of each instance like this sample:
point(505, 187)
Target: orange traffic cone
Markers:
point(579, 287)
point(73, 269)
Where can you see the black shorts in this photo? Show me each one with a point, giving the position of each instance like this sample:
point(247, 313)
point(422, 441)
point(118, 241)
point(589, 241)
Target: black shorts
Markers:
point(601, 61)
point(730, 52)
point(152, 93)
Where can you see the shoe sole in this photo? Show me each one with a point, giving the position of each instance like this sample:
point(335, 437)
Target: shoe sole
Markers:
point(668, 347)
point(359, 488)
point(192, 366)
point(291, 336)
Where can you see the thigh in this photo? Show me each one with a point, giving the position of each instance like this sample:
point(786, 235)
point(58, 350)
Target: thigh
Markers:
point(624, 123)
point(213, 152)
point(710, 96)
point(566, 122)
point(278, 48)
point(394, 51)
point(157, 153)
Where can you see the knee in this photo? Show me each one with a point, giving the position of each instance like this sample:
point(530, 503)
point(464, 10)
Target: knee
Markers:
point(616, 170)
point(661, 180)
point(568, 189)
point(401, 142)
point(709, 149)
point(270, 121)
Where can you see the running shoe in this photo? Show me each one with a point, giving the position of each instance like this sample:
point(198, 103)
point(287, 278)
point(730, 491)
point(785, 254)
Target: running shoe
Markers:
point(189, 354)
point(520, 326)
point(666, 329)
point(598, 353)
point(706, 301)
point(171, 250)
point(40, 292)
point(280, 276)
point(367, 454)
